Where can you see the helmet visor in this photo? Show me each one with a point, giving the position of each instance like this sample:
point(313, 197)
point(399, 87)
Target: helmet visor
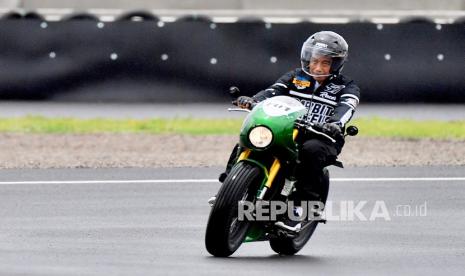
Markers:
point(315, 52)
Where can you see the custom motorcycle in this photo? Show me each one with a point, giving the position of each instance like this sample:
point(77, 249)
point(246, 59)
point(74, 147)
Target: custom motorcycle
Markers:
point(270, 138)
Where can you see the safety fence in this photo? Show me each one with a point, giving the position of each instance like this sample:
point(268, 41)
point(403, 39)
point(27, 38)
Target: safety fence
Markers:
point(196, 59)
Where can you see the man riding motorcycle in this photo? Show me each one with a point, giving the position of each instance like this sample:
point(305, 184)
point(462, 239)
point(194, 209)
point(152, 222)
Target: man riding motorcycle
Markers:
point(331, 99)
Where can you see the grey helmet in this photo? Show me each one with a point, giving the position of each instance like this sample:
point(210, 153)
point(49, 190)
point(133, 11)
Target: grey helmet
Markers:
point(325, 43)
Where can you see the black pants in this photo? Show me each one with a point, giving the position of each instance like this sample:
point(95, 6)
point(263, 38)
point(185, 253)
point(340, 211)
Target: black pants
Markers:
point(312, 179)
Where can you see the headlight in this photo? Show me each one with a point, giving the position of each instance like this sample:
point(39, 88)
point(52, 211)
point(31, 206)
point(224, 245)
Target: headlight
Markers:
point(260, 137)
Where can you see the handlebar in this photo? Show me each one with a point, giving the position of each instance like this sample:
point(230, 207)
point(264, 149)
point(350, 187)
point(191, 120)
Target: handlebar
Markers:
point(252, 105)
point(239, 109)
point(314, 128)
point(234, 92)
point(310, 127)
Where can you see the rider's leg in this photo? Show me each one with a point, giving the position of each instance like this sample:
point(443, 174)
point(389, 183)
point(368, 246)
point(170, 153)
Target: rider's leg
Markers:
point(312, 181)
point(232, 160)
point(312, 176)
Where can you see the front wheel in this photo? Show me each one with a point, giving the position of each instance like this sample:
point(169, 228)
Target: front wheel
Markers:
point(225, 233)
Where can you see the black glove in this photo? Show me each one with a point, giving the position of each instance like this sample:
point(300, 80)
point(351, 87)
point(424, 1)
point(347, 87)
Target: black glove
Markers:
point(332, 129)
point(245, 102)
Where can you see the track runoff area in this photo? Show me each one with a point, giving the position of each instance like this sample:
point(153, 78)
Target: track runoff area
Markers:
point(348, 209)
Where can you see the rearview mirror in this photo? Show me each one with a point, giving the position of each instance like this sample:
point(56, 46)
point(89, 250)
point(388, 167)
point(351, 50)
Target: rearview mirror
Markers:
point(352, 130)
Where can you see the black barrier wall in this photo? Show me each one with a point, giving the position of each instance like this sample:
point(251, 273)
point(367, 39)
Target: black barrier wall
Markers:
point(196, 60)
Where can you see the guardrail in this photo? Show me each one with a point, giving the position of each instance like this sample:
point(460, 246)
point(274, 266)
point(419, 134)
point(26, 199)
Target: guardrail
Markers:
point(231, 16)
point(196, 59)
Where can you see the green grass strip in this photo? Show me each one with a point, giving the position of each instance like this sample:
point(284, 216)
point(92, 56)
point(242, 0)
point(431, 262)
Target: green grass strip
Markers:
point(369, 127)
point(39, 124)
point(404, 128)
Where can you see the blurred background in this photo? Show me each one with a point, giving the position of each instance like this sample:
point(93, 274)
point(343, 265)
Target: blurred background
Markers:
point(193, 51)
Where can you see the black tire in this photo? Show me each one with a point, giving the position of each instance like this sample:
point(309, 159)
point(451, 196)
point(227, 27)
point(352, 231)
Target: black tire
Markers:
point(290, 246)
point(224, 232)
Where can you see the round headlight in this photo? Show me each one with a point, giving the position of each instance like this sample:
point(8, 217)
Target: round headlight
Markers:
point(260, 137)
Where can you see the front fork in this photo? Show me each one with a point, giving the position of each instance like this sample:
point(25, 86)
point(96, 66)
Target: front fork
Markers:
point(271, 176)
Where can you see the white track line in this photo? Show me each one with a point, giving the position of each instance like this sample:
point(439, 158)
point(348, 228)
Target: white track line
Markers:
point(381, 179)
point(110, 181)
point(398, 179)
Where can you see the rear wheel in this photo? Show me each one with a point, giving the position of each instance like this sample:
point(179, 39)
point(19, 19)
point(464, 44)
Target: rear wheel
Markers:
point(290, 246)
point(225, 233)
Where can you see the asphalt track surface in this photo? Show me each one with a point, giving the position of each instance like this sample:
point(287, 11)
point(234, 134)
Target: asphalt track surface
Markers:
point(212, 110)
point(120, 224)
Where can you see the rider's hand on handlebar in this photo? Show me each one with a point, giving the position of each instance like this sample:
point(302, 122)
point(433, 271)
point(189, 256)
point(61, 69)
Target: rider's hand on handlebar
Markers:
point(331, 129)
point(245, 102)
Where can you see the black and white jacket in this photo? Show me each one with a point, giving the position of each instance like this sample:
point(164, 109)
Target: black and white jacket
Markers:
point(335, 100)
